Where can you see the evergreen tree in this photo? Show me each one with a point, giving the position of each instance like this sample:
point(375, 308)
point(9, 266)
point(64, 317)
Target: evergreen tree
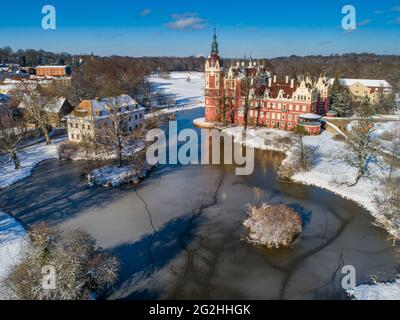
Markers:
point(341, 103)
point(336, 86)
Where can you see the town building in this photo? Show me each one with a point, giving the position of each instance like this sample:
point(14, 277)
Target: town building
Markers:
point(272, 102)
point(53, 71)
point(95, 116)
point(361, 88)
point(55, 112)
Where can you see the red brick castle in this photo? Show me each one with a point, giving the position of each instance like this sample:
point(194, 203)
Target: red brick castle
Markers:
point(271, 102)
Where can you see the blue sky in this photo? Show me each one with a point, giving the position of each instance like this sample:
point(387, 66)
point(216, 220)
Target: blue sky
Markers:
point(184, 27)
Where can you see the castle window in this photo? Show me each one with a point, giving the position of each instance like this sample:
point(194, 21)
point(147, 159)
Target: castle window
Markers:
point(291, 107)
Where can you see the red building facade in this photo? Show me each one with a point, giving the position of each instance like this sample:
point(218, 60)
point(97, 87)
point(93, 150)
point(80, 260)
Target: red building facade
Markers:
point(271, 102)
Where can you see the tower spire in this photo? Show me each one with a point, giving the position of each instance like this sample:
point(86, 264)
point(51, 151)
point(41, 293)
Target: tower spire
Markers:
point(214, 45)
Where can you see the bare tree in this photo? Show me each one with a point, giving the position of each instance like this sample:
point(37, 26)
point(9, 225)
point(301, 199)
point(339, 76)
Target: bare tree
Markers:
point(388, 204)
point(13, 130)
point(222, 100)
point(361, 144)
point(391, 153)
point(80, 268)
point(303, 154)
point(35, 104)
point(115, 133)
point(246, 92)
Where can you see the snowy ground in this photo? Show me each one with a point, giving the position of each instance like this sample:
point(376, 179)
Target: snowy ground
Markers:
point(12, 241)
point(379, 291)
point(29, 158)
point(112, 176)
point(188, 94)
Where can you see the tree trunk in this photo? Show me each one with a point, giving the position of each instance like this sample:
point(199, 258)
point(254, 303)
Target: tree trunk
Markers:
point(119, 152)
point(46, 133)
point(14, 157)
point(246, 112)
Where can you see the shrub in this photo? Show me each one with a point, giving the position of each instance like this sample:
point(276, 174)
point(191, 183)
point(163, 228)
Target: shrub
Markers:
point(339, 137)
point(273, 226)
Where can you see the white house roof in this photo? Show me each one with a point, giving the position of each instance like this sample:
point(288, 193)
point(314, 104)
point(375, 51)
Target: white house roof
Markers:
point(56, 106)
point(51, 66)
point(310, 116)
point(365, 82)
point(122, 101)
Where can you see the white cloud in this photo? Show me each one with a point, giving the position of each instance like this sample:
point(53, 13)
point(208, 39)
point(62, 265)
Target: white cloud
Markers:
point(379, 12)
point(396, 9)
point(187, 21)
point(145, 12)
point(363, 22)
point(394, 21)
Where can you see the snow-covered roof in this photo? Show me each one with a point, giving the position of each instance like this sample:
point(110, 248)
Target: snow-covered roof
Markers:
point(101, 107)
point(310, 116)
point(51, 66)
point(123, 101)
point(365, 82)
point(56, 106)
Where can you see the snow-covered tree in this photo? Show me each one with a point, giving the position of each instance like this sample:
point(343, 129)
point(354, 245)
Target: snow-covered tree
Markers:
point(341, 103)
point(361, 145)
point(273, 226)
point(386, 103)
point(80, 268)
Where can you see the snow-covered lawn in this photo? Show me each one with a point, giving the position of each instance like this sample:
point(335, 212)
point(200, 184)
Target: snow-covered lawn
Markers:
point(379, 291)
point(29, 158)
point(188, 94)
point(260, 138)
point(12, 241)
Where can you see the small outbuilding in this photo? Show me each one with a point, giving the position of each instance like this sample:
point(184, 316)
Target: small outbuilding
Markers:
point(311, 122)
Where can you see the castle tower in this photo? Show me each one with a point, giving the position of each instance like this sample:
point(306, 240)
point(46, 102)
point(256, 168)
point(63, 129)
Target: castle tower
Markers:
point(214, 77)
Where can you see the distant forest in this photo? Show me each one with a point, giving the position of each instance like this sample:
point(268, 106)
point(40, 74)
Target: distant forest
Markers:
point(364, 65)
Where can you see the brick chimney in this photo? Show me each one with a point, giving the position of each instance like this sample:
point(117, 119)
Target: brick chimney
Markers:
point(287, 79)
point(275, 78)
point(292, 83)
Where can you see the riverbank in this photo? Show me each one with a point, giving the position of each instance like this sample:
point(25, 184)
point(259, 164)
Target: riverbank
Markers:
point(12, 242)
point(29, 158)
point(328, 170)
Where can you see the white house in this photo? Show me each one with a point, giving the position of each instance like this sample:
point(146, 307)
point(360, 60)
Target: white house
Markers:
point(94, 116)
